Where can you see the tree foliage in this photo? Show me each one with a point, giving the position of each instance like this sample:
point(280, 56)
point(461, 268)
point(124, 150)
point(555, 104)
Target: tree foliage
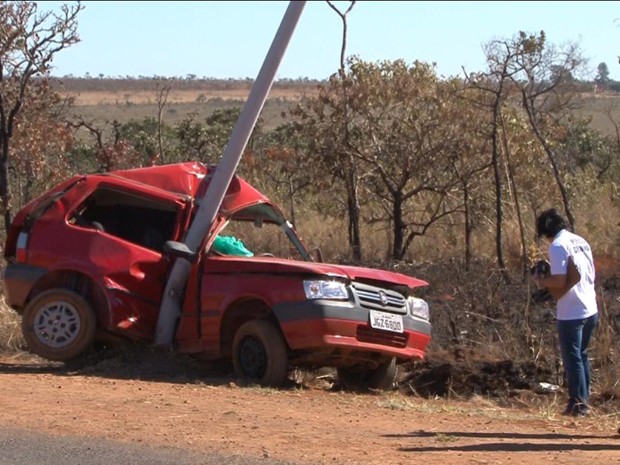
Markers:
point(386, 146)
point(29, 40)
point(602, 74)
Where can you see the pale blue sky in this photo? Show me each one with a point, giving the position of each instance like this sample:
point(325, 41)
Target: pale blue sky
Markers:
point(229, 39)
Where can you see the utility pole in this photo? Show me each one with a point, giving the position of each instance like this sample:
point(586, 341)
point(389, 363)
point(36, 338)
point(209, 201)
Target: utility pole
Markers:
point(172, 299)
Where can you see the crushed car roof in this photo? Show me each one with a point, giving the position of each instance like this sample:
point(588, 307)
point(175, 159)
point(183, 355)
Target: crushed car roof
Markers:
point(179, 178)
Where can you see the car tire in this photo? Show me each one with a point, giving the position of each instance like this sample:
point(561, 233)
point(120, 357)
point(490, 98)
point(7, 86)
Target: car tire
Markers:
point(260, 353)
point(59, 325)
point(363, 378)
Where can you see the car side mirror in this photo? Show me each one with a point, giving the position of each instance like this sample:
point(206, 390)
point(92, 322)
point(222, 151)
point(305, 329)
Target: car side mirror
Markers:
point(179, 250)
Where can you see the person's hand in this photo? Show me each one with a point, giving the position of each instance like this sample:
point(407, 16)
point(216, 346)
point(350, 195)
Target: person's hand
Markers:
point(539, 271)
point(539, 280)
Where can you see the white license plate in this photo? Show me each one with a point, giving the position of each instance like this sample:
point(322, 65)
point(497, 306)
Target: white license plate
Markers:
point(386, 321)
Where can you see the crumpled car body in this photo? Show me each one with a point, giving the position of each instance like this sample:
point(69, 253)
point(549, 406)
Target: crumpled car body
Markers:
point(96, 245)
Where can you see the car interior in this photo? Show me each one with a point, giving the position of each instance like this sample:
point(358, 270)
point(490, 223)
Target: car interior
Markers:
point(139, 220)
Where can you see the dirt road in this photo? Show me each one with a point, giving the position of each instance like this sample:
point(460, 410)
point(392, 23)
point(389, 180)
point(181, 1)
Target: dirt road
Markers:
point(207, 412)
point(22, 447)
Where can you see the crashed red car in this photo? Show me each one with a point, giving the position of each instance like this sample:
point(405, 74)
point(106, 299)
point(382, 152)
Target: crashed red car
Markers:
point(90, 258)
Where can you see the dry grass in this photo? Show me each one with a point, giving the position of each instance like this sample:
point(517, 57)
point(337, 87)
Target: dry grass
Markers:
point(149, 97)
point(174, 113)
point(128, 100)
point(600, 107)
point(11, 339)
point(96, 98)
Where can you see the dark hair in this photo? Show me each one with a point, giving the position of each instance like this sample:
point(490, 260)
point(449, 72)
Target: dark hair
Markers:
point(549, 223)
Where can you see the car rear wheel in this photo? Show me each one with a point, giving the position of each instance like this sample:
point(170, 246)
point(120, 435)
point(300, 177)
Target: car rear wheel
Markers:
point(59, 324)
point(260, 353)
point(362, 377)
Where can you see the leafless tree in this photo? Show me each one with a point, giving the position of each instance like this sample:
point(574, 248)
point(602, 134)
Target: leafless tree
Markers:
point(347, 159)
point(162, 91)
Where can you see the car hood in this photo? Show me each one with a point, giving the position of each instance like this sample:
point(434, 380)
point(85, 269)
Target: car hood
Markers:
point(218, 264)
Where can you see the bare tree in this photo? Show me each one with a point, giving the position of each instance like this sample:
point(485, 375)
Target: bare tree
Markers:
point(162, 91)
point(544, 76)
point(347, 160)
point(287, 168)
point(112, 154)
point(510, 174)
point(492, 85)
point(28, 43)
point(470, 162)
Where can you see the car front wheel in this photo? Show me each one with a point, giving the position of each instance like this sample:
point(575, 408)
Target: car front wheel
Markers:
point(59, 324)
point(260, 353)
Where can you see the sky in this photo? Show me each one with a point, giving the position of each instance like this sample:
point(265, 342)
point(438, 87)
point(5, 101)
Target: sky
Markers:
point(229, 39)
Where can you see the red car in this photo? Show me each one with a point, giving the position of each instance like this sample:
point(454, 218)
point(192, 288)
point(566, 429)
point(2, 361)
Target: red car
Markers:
point(91, 258)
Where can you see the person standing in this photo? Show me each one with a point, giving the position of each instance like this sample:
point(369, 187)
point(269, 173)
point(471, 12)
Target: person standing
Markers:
point(571, 281)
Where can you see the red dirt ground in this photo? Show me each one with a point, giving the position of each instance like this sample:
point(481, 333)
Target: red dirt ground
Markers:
point(315, 424)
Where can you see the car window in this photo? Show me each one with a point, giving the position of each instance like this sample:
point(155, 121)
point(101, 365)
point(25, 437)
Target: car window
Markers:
point(144, 221)
point(256, 238)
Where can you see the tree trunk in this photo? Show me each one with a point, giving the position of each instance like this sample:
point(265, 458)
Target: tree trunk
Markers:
point(515, 196)
point(5, 189)
point(355, 241)
point(551, 157)
point(498, 199)
point(291, 196)
point(468, 228)
point(398, 250)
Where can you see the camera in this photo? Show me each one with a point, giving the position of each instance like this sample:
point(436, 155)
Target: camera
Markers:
point(540, 268)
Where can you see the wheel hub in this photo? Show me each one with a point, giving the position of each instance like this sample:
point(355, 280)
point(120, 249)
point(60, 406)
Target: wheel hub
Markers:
point(252, 357)
point(57, 324)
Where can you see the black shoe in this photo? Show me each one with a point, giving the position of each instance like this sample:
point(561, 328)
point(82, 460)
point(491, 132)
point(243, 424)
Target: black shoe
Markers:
point(570, 409)
point(576, 410)
point(582, 410)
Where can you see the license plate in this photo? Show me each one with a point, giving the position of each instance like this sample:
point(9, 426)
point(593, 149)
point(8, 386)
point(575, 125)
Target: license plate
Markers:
point(386, 321)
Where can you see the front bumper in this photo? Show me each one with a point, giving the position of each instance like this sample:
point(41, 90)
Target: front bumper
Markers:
point(320, 324)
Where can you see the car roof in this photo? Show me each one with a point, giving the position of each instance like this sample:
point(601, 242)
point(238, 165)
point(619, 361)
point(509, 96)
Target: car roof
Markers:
point(186, 179)
point(178, 178)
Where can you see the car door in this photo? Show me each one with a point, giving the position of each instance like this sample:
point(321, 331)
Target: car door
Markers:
point(127, 228)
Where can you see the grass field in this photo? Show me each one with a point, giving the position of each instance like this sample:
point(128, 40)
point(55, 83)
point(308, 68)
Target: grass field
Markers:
point(602, 108)
point(124, 100)
point(176, 112)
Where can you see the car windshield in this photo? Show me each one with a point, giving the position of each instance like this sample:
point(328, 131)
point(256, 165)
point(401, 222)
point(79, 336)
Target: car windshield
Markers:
point(260, 230)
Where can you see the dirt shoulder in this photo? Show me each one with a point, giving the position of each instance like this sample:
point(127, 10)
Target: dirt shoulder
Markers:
point(207, 411)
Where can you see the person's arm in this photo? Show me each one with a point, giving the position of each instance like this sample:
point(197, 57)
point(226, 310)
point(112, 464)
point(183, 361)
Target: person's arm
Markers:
point(553, 280)
point(563, 274)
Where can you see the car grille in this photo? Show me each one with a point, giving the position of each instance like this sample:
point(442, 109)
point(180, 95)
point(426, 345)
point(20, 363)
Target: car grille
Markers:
point(376, 336)
point(370, 297)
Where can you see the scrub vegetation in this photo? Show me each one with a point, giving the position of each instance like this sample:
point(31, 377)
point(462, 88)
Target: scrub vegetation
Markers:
point(384, 164)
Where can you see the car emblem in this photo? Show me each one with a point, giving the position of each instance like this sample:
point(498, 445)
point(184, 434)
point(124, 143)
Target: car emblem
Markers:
point(383, 298)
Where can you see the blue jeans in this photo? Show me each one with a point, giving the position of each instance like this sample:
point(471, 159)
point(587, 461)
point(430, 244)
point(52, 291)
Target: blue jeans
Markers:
point(574, 338)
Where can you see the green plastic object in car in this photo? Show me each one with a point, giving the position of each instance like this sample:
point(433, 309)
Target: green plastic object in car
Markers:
point(230, 245)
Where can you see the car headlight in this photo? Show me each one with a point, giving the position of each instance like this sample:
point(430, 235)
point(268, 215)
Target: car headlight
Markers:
point(325, 290)
point(419, 308)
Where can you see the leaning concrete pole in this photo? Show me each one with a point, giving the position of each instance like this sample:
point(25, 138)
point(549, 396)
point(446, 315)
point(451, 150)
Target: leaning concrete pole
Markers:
point(172, 299)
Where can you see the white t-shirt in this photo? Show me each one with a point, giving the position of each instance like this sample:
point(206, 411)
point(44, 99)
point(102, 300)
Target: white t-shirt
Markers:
point(580, 301)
